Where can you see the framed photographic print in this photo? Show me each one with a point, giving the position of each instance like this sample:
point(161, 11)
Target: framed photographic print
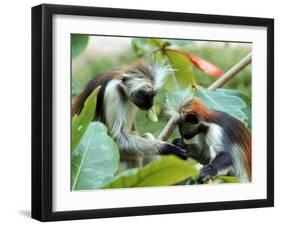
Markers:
point(146, 112)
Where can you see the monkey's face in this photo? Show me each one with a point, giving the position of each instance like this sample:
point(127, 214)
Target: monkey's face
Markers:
point(143, 99)
point(190, 125)
point(139, 90)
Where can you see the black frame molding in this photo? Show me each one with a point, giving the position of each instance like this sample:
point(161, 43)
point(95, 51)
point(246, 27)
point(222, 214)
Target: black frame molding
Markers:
point(42, 111)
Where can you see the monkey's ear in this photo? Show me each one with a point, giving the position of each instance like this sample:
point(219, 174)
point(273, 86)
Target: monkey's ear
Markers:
point(192, 118)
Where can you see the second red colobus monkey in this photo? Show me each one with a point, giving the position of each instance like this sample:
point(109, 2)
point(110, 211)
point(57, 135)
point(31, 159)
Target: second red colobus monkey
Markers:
point(224, 142)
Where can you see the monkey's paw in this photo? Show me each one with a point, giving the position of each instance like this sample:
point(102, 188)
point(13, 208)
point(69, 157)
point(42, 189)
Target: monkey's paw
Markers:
point(169, 149)
point(179, 143)
point(207, 173)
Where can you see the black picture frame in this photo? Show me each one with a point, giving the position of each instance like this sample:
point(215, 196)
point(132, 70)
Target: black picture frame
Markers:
point(42, 107)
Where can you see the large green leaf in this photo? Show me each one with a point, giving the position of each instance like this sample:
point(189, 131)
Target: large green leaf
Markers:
point(80, 122)
point(168, 170)
point(78, 44)
point(224, 102)
point(248, 109)
point(183, 71)
point(95, 160)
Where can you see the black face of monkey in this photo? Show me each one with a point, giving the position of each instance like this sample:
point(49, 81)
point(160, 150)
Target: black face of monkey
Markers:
point(143, 99)
point(190, 126)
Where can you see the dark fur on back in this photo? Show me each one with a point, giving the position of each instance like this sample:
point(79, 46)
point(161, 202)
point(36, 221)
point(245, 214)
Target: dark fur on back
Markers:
point(236, 133)
point(100, 79)
point(138, 68)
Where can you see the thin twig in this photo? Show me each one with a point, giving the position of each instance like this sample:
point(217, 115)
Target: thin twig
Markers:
point(231, 72)
point(171, 125)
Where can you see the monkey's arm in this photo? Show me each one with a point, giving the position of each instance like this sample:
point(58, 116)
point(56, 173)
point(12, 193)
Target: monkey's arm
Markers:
point(119, 121)
point(220, 165)
point(142, 146)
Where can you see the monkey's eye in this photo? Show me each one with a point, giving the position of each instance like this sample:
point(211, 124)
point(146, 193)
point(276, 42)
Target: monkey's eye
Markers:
point(124, 79)
point(191, 118)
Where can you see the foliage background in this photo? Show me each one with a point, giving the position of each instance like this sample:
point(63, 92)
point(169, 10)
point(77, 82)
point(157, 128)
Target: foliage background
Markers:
point(95, 158)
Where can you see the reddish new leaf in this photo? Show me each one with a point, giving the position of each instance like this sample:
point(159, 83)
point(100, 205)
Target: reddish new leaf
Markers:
point(203, 65)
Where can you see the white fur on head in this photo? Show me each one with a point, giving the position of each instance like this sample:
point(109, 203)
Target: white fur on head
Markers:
point(146, 76)
point(137, 84)
point(160, 73)
point(176, 100)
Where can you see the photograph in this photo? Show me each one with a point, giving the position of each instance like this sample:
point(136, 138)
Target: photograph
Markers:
point(156, 111)
point(141, 112)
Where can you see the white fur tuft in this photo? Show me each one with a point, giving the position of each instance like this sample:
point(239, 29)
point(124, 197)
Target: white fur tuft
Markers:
point(175, 101)
point(160, 73)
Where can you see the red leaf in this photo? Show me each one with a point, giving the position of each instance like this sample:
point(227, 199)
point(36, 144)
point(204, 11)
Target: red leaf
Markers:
point(203, 65)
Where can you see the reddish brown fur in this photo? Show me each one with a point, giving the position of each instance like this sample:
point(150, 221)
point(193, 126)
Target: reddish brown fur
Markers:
point(208, 115)
point(197, 106)
point(246, 144)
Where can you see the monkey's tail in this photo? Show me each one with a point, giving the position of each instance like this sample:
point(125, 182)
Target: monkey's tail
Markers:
point(77, 104)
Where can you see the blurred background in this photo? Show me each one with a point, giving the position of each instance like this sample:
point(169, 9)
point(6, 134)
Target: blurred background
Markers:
point(103, 53)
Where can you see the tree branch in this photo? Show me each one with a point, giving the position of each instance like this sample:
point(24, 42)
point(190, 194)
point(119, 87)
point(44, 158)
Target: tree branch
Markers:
point(231, 72)
point(171, 125)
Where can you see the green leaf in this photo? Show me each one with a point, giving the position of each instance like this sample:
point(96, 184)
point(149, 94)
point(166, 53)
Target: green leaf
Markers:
point(191, 181)
point(168, 170)
point(139, 42)
point(174, 100)
point(157, 42)
point(226, 179)
point(80, 122)
point(183, 72)
point(78, 44)
point(248, 109)
point(178, 42)
point(216, 100)
point(138, 46)
point(95, 160)
point(147, 46)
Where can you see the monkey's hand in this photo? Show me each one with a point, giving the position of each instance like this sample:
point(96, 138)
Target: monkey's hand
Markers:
point(207, 172)
point(170, 149)
point(193, 150)
point(180, 143)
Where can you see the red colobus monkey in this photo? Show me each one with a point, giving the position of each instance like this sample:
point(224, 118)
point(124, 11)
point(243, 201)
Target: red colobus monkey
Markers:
point(224, 142)
point(122, 93)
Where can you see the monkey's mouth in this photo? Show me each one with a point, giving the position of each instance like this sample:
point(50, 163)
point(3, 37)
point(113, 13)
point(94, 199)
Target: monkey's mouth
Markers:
point(185, 135)
point(143, 106)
